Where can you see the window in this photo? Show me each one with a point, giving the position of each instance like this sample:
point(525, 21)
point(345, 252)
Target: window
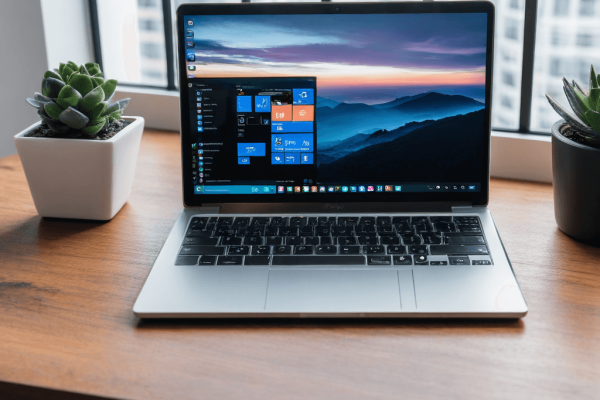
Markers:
point(135, 32)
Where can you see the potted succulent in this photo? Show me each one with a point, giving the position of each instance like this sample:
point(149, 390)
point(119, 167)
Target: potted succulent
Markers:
point(576, 161)
point(80, 158)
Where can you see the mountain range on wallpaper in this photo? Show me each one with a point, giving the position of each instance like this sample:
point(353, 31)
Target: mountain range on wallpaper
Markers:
point(357, 142)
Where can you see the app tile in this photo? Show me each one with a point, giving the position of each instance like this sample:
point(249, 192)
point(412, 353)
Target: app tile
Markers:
point(292, 142)
point(262, 103)
point(277, 158)
point(304, 96)
point(244, 160)
point(282, 113)
point(306, 158)
point(292, 158)
point(304, 113)
point(252, 149)
point(284, 127)
point(244, 104)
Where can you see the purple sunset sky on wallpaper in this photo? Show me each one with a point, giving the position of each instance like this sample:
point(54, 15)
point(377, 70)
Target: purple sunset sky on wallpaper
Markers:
point(356, 58)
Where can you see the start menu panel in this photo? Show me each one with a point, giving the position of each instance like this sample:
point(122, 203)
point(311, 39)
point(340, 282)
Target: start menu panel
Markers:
point(252, 134)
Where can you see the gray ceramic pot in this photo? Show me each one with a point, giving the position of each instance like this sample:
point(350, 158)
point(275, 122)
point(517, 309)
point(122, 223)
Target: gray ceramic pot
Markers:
point(575, 176)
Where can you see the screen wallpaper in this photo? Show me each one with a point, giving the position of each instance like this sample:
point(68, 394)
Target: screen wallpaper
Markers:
point(395, 87)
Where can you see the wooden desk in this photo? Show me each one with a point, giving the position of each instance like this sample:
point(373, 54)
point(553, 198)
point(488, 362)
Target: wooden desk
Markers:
point(67, 290)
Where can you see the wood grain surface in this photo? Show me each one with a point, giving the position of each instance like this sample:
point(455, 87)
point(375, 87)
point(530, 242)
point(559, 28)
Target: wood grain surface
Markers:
point(67, 290)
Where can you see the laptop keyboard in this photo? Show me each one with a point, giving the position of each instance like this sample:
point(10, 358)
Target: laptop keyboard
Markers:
point(328, 240)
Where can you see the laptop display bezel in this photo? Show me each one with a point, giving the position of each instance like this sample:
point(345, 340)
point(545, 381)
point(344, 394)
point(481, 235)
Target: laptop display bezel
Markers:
point(193, 200)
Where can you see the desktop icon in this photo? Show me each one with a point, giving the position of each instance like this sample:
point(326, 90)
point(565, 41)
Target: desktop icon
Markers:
point(190, 22)
point(353, 189)
point(190, 57)
point(313, 189)
point(322, 189)
point(279, 189)
point(290, 189)
point(189, 33)
point(338, 188)
point(398, 188)
point(190, 44)
point(297, 189)
point(361, 188)
point(344, 188)
point(389, 188)
point(370, 188)
point(305, 189)
point(330, 189)
point(471, 187)
point(380, 188)
point(191, 67)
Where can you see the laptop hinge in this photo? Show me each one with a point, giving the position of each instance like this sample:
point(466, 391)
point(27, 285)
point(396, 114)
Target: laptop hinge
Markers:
point(463, 208)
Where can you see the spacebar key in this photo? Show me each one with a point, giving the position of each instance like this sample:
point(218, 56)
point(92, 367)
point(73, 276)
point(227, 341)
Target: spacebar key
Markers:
point(318, 260)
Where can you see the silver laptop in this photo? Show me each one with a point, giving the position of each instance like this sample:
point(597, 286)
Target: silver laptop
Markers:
point(335, 163)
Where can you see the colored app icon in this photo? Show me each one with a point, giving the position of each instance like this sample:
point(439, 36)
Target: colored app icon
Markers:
point(199, 123)
point(344, 189)
point(338, 188)
point(303, 96)
point(370, 188)
point(191, 67)
point(389, 188)
point(353, 189)
point(190, 22)
point(292, 158)
point(290, 189)
point(380, 188)
point(306, 158)
point(361, 188)
point(322, 189)
point(277, 158)
point(304, 113)
point(305, 189)
point(194, 145)
point(398, 188)
point(190, 57)
point(200, 117)
point(190, 44)
point(331, 189)
point(281, 113)
point(314, 189)
point(297, 189)
point(244, 160)
point(244, 104)
point(280, 189)
point(471, 187)
point(262, 103)
point(189, 33)
point(200, 129)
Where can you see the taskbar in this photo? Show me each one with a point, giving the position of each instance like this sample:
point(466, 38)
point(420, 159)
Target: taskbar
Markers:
point(329, 189)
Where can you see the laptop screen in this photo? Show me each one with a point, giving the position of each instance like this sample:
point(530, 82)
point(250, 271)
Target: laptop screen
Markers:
point(342, 105)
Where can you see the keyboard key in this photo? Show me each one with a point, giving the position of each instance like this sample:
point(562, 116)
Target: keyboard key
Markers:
point(253, 240)
point(363, 229)
point(306, 231)
point(200, 232)
point(349, 249)
point(231, 241)
point(312, 221)
point(282, 249)
point(278, 221)
point(417, 249)
point(465, 240)
point(201, 250)
point(230, 260)
point(261, 250)
point(460, 260)
point(367, 220)
point(401, 220)
point(341, 230)
point(272, 231)
point(186, 260)
point(318, 260)
point(379, 260)
point(347, 221)
point(206, 241)
point(384, 221)
point(410, 239)
point(324, 221)
point(402, 260)
point(274, 240)
point(326, 240)
point(391, 240)
point(404, 228)
point(421, 260)
point(346, 240)
point(311, 240)
point(440, 219)
point(288, 231)
point(297, 221)
point(481, 262)
point(445, 227)
point(326, 249)
point(419, 220)
point(432, 238)
point(373, 250)
point(367, 239)
point(294, 240)
point(303, 249)
point(255, 231)
point(260, 221)
point(257, 260)
point(438, 262)
point(323, 230)
point(457, 249)
point(385, 229)
point(470, 230)
point(208, 260)
point(238, 250)
point(396, 250)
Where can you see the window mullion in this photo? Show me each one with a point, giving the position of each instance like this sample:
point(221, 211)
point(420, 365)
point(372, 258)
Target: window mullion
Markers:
point(528, 65)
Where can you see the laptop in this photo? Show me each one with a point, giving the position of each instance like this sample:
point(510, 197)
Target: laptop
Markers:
point(335, 163)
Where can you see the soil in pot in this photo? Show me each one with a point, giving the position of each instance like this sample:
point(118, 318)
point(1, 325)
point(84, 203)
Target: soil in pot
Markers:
point(44, 131)
point(571, 134)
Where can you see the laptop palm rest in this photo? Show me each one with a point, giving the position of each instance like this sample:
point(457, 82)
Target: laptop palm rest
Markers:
point(322, 290)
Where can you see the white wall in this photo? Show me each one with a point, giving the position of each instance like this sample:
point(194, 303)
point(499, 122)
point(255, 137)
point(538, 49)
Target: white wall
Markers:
point(22, 66)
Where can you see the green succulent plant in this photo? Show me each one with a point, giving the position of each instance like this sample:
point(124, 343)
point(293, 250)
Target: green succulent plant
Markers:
point(586, 106)
point(77, 98)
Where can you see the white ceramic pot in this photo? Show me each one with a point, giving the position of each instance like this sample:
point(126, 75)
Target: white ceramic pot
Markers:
point(76, 178)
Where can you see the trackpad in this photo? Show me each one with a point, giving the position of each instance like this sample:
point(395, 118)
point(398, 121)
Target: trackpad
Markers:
point(333, 291)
